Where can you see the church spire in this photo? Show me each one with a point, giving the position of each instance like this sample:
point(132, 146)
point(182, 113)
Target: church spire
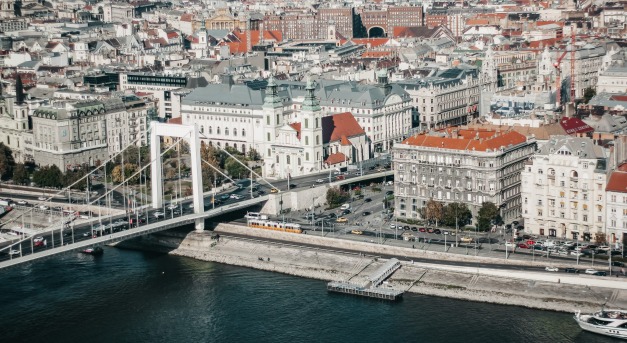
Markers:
point(311, 103)
point(272, 98)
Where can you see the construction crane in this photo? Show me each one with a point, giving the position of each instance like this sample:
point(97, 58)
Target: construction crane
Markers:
point(558, 72)
point(558, 80)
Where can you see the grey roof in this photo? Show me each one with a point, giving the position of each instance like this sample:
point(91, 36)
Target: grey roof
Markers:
point(608, 123)
point(29, 64)
point(447, 77)
point(229, 95)
point(610, 100)
point(576, 146)
point(334, 92)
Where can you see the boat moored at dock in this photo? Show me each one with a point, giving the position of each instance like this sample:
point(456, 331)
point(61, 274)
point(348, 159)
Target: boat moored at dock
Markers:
point(611, 323)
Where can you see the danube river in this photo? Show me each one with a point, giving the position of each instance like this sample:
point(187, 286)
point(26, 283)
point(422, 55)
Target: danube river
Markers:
point(130, 296)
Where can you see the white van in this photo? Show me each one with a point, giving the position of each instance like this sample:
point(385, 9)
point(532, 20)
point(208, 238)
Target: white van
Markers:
point(345, 206)
point(256, 215)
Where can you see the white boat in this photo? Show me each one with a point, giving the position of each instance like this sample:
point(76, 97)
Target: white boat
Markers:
point(611, 323)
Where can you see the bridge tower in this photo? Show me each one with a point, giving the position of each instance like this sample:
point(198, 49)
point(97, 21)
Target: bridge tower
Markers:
point(190, 133)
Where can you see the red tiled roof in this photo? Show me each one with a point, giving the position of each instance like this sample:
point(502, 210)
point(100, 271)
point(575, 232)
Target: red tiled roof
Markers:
point(574, 126)
point(374, 42)
point(617, 182)
point(240, 46)
point(376, 54)
point(172, 35)
point(296, 126)
point(178, 120)
point(338, 157)
point(478, 140)
point(471, 22)
point(187, 17)
point(543, 43)
point(339, 126)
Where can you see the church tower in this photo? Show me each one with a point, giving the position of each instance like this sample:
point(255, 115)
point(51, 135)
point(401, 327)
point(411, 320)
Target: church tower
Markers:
point(545, 65)
point(272, 121)
point(311, 129)
point(489, 74)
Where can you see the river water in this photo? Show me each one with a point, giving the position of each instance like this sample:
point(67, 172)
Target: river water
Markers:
point(131, 296)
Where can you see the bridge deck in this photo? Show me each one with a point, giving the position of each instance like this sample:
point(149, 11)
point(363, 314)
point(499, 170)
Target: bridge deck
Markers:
point(131, 233)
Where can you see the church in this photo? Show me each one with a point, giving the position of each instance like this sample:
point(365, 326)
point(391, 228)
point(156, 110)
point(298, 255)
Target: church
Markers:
point(314, 143)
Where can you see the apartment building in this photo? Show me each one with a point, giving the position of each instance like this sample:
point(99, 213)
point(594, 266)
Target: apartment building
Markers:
point(471, 166)
point(616, 205)
point(450, 97)
point(563, 189)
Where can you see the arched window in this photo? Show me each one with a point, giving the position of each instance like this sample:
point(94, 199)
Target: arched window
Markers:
point(210, 130)
point(226, 131)
point(288, 159)
point(235, 132)
point(202, 129)
point(317, 139)
point(226, 145)
point(277, 158)
point(243, 132)
point(218, 130)
point(573, 173)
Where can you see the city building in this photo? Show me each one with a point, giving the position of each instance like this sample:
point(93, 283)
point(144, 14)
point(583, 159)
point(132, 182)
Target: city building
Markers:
point(450, 97)
point(460, 165)
point(14, 127)
point(563, 189)
point(616, 208)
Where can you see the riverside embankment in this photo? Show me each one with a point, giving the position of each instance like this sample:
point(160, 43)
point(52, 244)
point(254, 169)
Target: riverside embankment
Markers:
point(321, 258)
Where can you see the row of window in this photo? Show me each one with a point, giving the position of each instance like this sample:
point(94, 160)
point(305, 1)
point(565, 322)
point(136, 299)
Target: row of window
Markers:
point(218, 131)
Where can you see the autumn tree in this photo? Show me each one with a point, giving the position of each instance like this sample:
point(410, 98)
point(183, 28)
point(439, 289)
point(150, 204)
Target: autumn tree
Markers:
point(235, 168)
point(119, 174)
point(434, 211)
point(208, 155)
point(336, 197)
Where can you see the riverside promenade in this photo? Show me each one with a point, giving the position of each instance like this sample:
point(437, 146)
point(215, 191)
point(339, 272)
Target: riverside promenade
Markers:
point(330, 260)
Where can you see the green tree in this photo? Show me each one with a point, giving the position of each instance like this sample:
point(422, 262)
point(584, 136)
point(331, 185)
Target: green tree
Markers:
point(336, 197)
point(131, 155)
point(487, 214)
point(235, 168)
point(71, 177)
point(434, 211)
point(6, 162)
point(20, 174)
point(456, 210)
point(588, 94)
point(253, 155)
point(48, 176)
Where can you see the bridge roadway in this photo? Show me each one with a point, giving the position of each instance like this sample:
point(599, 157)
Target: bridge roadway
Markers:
point(130, 233)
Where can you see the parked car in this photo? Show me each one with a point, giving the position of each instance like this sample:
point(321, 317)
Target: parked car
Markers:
point(437, 231)
point(430, 230)
point(523, 246)
point(413, 228)
point(551, 269)
point(618, 264)
point(576, 253)
point(571, 270)
point(22, 202)
point(600, 273)
point(422, 229)
point(591, 271)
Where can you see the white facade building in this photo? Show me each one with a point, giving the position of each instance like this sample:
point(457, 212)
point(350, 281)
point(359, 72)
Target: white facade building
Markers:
point(563, 189)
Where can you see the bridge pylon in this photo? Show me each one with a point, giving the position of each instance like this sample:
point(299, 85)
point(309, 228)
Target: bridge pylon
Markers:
point(190, 133)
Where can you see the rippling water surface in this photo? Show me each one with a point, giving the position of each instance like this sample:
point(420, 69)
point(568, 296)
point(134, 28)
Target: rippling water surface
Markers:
point(129, 296)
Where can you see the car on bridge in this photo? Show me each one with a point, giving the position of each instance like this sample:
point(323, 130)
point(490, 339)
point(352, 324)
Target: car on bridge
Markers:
point(159, 214)
point(551, 269)
point(274, 190)
point(357, 232)
point(225, 196)
point(14, 252)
